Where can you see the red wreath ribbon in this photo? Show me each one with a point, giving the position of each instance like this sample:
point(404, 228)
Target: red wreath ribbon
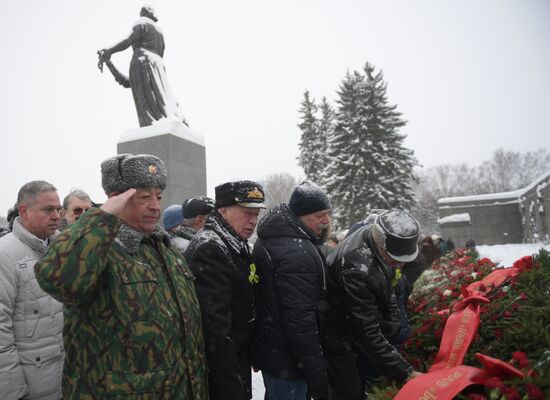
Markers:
point(446, 383)
point(447, 376)
point(460, 330)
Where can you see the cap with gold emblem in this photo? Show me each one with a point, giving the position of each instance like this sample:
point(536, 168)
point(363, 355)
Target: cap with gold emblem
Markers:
point(242, 193)
point(125, 171)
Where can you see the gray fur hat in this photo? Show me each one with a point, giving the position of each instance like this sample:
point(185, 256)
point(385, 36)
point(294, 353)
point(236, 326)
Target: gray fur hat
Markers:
point(125, 171)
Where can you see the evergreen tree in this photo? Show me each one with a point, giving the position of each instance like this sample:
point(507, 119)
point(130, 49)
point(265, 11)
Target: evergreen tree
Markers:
point(311, 145)
point(278, 188)
point(325, 130)
point(369, 167)
point(343, 166)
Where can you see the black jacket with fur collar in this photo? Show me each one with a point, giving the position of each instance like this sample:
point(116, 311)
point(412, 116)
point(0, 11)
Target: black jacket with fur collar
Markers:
point(221, 262)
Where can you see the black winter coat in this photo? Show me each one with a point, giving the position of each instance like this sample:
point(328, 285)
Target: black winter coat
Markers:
point(290, 301)
point(221, 262)
point(362, 305)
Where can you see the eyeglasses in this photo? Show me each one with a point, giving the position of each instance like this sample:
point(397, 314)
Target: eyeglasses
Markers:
point(79, 210)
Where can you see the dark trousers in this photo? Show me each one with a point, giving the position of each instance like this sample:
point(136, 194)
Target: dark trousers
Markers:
point(350, 373)
point(284, 389)
point(402, 295)
point(343, 367)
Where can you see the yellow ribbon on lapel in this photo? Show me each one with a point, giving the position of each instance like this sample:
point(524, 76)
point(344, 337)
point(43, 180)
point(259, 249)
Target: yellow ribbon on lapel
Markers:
point(253, 277)
point(395, 278)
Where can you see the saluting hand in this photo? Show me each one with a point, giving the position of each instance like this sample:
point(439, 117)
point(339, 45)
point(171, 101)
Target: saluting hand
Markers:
point(115, 204)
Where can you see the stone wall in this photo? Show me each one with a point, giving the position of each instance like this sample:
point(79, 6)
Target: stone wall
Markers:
point(493, 223)
point(513, 217)
point(534, 209)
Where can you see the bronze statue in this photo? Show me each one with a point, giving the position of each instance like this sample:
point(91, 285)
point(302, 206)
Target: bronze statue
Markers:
point(148, 80)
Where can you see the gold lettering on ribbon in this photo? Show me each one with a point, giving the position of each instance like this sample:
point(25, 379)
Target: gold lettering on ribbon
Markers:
point(444, 382)
point(461, 333)
point(429, 394)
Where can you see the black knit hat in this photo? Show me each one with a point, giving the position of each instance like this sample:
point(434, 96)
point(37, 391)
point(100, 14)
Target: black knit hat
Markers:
point(396, 231)
point(242, 193)
point(308, 198)
point(125, 171)
point(195, 206)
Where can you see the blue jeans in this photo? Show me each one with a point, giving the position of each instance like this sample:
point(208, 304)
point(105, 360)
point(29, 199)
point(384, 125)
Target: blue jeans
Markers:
point(283, 389)
point(405, 330)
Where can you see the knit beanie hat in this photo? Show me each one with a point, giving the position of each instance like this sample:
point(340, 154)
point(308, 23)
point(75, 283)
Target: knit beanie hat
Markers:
point(125, 171)
point(308, 198)
point(172, 216)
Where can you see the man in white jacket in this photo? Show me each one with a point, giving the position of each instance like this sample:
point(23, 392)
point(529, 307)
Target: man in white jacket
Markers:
point(31, 321)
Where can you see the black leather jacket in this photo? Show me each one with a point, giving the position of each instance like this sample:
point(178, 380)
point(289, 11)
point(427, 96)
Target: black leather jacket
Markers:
point(362, 303)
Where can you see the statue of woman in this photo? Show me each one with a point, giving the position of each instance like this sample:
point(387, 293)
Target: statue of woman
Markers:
point(148, 80)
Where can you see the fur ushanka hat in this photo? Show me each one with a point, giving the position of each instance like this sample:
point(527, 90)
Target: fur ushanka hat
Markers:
point(125, 171)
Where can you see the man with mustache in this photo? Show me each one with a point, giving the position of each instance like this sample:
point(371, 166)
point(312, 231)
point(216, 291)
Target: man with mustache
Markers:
point(31, 322)
point(76, 203)
point(291, 296)
point(132, 319)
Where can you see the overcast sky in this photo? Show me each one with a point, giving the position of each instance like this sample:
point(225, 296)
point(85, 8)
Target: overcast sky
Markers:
point(469, 76)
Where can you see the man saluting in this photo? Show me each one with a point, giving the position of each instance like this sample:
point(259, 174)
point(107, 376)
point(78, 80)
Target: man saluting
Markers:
point(132, 320)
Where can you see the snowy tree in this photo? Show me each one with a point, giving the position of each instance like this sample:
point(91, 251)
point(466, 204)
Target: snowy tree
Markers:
point(500, 174)
point(325, 129)
point(504, 171)
point(278, 188)
point(434, 183)
point(311, 145)
point(369, 167)
point(533, 164)
point(425, 207)
point(510, 170)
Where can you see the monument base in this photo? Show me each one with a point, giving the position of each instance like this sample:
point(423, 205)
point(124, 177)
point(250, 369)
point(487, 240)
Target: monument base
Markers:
point(182, 151)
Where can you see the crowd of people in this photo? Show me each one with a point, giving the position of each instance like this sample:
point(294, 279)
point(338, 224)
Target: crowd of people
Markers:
point(98, 301)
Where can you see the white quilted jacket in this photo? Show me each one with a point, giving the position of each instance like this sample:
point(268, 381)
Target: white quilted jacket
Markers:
point(31, 323)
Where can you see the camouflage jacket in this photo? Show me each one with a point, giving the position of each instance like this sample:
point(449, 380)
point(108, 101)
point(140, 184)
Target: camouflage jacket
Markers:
point(132, 319)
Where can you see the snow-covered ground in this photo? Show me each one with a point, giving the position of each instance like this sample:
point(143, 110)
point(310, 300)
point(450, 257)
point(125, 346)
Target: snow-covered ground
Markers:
point(504, 255)
point(258, 389)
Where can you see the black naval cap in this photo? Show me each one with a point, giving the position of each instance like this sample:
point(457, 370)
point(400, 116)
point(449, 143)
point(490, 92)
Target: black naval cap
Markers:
point(242, 193)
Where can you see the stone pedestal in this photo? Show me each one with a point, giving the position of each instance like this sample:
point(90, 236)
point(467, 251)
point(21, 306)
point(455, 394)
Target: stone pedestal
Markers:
point(182, 151)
